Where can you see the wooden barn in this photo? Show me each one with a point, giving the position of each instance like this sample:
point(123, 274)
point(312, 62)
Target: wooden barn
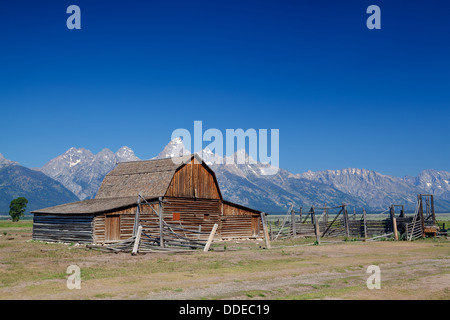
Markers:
point(184, 191)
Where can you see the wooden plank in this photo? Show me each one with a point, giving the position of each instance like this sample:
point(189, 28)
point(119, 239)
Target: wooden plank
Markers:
point(137, 240)
point(160, 212)
point(266, 233)
point(210, 238)
point(316, 230)
point(394, 224)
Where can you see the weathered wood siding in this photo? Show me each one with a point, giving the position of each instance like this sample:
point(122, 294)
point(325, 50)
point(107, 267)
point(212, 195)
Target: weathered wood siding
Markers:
point(192, 213)
point(193, 181)
point(63, 228)
point(126, 223)
point(237, 222)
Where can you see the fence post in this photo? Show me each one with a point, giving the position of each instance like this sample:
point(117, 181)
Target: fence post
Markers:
point(211, 237)
point(161, 235)
point(346, 222)
point(137, 215)
point(266, 233)
point(294, 232)
point(137, 240)
point(394, 223)
point(316, 230)
point(365, 224)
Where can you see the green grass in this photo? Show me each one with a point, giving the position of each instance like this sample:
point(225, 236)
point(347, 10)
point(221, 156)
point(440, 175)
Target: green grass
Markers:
point(23, 224)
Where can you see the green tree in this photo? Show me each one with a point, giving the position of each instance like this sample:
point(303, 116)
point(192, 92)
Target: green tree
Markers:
point(17, 208)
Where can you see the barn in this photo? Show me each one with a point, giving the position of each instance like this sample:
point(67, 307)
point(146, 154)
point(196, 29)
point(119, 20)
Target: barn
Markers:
point(183, 190)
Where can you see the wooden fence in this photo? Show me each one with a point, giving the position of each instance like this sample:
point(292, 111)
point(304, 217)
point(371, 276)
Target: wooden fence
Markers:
point(329, 222)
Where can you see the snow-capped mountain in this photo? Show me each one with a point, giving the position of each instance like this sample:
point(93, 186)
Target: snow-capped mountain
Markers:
point(174, 148)
point(82, 172)
point(375, 189)
point(433, 182)
point(5, 162)
point(246, 181)
point(249, 182)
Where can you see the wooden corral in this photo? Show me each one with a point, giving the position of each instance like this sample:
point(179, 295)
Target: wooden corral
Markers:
point(319, 223)
point(183, 191)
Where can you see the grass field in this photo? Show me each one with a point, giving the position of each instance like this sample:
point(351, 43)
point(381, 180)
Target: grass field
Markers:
point(233, 270)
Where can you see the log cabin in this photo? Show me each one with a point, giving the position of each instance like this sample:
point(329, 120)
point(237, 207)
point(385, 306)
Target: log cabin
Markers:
point(183, 190)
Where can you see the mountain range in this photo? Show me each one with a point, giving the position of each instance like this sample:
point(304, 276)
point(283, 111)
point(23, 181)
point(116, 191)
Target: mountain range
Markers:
point(39, 189)
point(78, 173)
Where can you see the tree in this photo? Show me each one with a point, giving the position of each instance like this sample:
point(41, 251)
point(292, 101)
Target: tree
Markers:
point(17, 208)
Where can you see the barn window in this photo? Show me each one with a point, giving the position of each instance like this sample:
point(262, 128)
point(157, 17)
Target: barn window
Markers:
point(206, 216)
point(176, 216)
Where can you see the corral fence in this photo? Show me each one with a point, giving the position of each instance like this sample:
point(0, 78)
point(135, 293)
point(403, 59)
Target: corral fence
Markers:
point(326, 222)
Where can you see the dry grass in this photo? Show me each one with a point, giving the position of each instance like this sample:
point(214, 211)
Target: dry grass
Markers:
point(291, 270)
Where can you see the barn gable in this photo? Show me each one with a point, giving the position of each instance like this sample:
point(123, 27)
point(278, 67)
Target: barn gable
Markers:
point(188, 176)
point(194, 180)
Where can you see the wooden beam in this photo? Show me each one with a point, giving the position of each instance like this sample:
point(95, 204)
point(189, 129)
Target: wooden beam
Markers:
point(316, 230)
point(136, 217)
point(329, 226)
point(266, 233)
point(210, 238)
point(365, 223)
point(394, 224)
point(137, 240)
point(346, 222)
point(294, 233)
point(161, 236)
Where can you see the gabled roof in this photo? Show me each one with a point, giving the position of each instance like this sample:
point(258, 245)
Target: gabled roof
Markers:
point(121, 187)
point(150, 178)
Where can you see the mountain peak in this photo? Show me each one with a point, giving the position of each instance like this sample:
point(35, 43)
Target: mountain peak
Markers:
point(125, 154)
point(174, 148)
point(5, 162)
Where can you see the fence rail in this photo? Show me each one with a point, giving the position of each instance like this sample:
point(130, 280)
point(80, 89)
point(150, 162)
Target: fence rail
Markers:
point(336, 222)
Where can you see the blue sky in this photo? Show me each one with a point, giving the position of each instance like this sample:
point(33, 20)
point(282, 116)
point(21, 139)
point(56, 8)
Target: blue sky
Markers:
point(340, 94)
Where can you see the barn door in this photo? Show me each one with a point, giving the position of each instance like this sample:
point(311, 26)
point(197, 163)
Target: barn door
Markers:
point(112, 228)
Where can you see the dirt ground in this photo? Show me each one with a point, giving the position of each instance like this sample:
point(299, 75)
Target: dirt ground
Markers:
point(233, 270)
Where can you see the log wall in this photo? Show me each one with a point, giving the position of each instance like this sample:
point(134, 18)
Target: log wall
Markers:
point(63, 228)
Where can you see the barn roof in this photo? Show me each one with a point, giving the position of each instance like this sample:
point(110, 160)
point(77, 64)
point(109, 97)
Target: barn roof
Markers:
point(149, 178)
point(91, 206)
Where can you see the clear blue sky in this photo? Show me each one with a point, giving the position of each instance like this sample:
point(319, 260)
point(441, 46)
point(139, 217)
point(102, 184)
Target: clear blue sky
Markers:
point(340, 94)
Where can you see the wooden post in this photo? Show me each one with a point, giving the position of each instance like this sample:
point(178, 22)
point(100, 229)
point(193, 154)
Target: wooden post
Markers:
point(402, 213)
point(210, 238)
point(294, 232)
point(316, 230)
point(346, 222)
point(160, 213)
point(301, 208)
point(266, 233)
point(137, 216)
point(394, 223)
point(365, 224)
point(422, 220)
point(137, 240)
point(432, 209)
